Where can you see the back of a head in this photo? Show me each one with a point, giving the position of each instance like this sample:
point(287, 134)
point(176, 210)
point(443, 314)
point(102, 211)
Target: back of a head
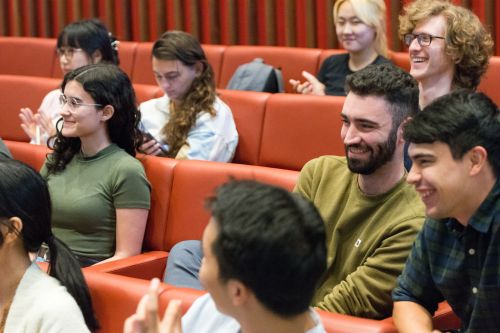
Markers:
point(373, 14)
point(90, 35)
point(467, 42)
point(272, 241)
point(24, 194)
point(108, 85)
point(462, 120)
point(392, 83)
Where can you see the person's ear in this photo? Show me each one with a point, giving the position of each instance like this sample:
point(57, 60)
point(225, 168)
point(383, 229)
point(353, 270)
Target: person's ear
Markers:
point(478, 157)
point(107, 112)
point(238, 292)
point(16, 227)
point(96, 57)
point(198, 67)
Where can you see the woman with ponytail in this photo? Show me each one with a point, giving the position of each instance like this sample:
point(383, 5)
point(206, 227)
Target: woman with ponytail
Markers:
point(31, 301)
point(189, 121)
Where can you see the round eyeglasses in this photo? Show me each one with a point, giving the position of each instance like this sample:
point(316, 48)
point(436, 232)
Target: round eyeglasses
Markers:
point(68, 52)
point(74, 102)
point(422, 39)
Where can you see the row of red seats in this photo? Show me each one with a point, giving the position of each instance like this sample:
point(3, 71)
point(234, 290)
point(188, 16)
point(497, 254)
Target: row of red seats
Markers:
point(179, 189)
point(280, 130)
point(19, 53)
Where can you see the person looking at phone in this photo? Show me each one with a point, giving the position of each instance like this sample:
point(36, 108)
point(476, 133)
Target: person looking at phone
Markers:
point(100, 194)
point(80, 43)
point(189, 121)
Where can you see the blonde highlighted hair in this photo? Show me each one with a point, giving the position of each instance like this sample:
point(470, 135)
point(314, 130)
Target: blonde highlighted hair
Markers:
point(466, 40)
point(373, 14)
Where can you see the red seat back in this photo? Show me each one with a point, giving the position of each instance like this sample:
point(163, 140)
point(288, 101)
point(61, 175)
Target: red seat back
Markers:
point(33, 155)
point(490, 80)
point(141, 71)
point(17, 91)
point(299, 128)
point(248, 108)
point(27, 56)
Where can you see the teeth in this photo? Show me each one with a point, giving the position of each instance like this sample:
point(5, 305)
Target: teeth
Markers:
point(417, 59)
point(426, 194)
point(357, 150)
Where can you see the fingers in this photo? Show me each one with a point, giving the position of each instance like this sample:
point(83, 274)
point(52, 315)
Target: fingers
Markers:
point(45, 123)
point(309, 77)
point(150, 147)
point(133, 325)
point(171, 322)
point(316, 87)
point(151, 309)
point(27, 122)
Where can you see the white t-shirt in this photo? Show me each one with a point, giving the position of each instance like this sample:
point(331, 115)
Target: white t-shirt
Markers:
point(203, 317)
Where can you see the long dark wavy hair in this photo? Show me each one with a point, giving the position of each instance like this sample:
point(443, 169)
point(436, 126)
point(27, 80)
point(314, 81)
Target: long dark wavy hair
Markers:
point(107, 85)
point(179, 45)
point(24, 194)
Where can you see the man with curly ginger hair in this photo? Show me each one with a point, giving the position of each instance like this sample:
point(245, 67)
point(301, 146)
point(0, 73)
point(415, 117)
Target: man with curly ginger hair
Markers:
point(449, 47)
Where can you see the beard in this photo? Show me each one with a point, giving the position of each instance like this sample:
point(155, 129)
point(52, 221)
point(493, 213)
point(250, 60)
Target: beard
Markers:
point(379, 155)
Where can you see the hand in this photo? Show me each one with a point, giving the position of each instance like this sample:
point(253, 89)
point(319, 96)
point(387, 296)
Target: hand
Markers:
point(146, 319)
point(30, 121)
point(151, 147)
point(312, 86)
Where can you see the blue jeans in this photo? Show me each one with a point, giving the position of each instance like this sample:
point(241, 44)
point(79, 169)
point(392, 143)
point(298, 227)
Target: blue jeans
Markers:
point(183, 265)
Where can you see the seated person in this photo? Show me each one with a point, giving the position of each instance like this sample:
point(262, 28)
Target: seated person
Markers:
point(99, 191)
point(4, 151)
point(264, 251)
point(456, 165)
point(372, 215)
point(448, 46)
point(360, 27)
point(31, 300)
point(80, 43)
point(189, 121)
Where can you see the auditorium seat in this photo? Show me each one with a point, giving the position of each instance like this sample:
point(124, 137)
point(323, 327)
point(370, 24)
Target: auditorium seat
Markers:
point(291, 60)
point(27, 56)
point(214, 54)
point(17, 91)
point(248, 108)
point(400, 59)
point(299, 128)
point(115, 298)
point(491, 80)
point(142, 71)
point(33, 155)
point(145, 92)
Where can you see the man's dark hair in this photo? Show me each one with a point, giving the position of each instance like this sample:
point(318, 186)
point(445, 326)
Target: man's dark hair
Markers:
point(271, 240)
point(462, 120)
point(395, 85)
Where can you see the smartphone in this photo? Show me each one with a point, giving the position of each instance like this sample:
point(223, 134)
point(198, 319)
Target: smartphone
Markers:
point(149, 137)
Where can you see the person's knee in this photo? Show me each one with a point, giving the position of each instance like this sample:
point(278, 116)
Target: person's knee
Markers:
point(185, 252)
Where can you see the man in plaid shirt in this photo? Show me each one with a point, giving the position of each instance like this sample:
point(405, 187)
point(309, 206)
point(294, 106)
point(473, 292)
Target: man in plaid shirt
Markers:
point(454, 145)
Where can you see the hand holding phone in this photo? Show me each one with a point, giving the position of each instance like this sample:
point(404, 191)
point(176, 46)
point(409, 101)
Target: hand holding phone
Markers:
point(148, 137)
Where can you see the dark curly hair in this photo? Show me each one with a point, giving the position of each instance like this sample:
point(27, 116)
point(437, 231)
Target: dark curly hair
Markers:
point(392, 83)
point(108, 85)
point(467, 41)
point(179, 45)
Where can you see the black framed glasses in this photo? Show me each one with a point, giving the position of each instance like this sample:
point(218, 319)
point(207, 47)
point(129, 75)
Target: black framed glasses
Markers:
point(74, 102)
point(422, 39)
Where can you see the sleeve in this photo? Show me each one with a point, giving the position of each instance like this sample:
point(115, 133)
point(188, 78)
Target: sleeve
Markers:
point(324, 68)
point(366, 292)
point(62, 315)
point(304, 182)
point(131, 189)
point(415, 283)
point(206, 141)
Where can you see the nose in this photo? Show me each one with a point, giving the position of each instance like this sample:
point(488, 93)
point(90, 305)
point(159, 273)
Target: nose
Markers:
point(65, 111)
point(414, 175)
point(414, 45)
point(350, 134)
point(164, 84)
point(347, 29)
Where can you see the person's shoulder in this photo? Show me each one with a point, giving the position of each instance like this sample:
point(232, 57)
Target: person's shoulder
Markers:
point(159, 103)
point(329, 162)
point(382, 60)
point(203, 316)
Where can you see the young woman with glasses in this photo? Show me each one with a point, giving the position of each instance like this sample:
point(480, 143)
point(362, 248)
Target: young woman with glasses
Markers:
point(80, 43)
point(100, 194)
point(189, 121)
point(30, 299)
point(360, 27)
